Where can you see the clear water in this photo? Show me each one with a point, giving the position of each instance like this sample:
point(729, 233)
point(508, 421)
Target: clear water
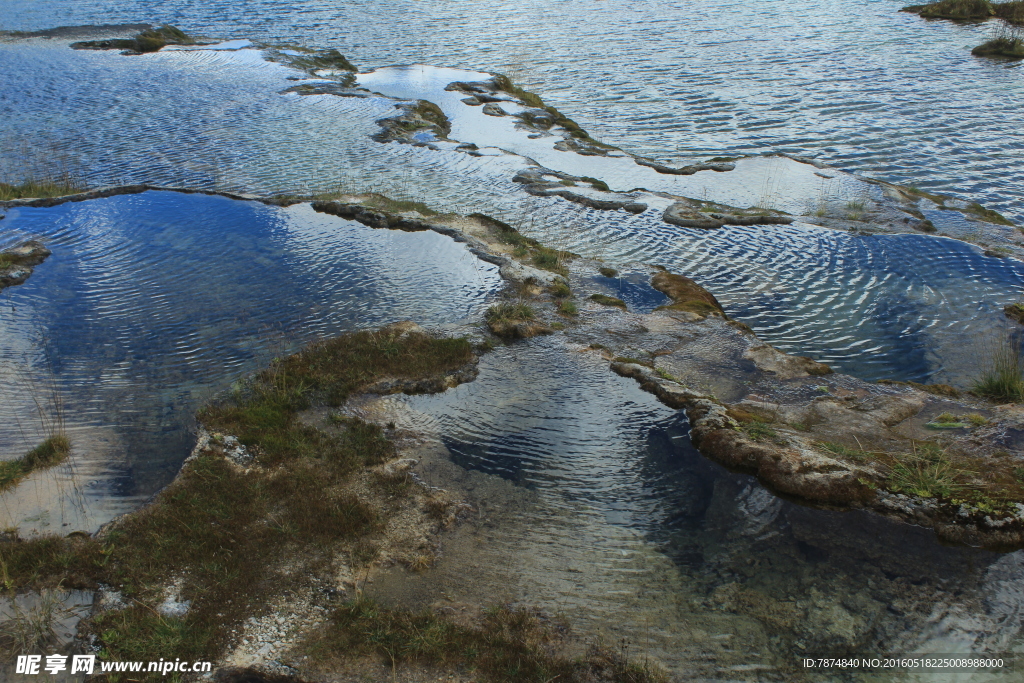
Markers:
point(632, 534)
point(853, 82)
point(907, 307)
point(150, 303)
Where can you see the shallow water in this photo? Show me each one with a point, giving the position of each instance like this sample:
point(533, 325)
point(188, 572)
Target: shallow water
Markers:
point(855, 82)
point(150, 303)
point(906, 307)
point(630, 533)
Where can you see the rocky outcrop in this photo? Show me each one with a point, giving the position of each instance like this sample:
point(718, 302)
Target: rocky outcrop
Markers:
point(684, 170)
point(16, 263)
point(543, 182)
point(686, 294)
point(413, 121)
point(785, 366)
point(149, 40)
point(690, 214)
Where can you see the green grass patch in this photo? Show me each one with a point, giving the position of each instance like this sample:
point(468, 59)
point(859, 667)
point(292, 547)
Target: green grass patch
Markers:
point(1003, 380)
point(608, 272)
point(511, 645)
point(988, 214)
point(843, 451)
point(51, 451)
point(606, 300)
point(37, 189)
point(550, 259)
point(150, 40)
point(216, 526)
point(560, 289)
point(758, 430)
point(1012, 12)
point(509, 312)
point(664, 374)
point(528, 98)
point(566, 307)
point(596, 184)
point(956, 10)
point(379, 201)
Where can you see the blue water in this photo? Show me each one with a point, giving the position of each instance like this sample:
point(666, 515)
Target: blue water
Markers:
point(150, 303)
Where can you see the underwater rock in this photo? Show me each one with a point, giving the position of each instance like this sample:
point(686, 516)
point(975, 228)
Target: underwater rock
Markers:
point(16, 263)
point(543, 182)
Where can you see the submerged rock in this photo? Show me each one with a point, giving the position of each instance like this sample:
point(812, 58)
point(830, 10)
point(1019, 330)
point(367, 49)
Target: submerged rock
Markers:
point(684, 170)
point(543, 182)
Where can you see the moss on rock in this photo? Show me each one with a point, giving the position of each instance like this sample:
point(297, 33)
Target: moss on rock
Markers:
point(686, 295)
point(150, 40)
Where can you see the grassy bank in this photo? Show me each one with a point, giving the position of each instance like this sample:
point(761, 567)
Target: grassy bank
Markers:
point(52, 451)
point(56, 186)
point(219, 531)
point(510, 645)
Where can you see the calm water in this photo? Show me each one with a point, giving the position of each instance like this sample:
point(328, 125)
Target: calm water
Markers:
point(853, 82)
point(906, 307)
point(151, 303)
point(632, 534)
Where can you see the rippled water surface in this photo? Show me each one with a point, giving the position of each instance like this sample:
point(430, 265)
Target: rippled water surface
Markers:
point(153, 302)
point(906, 307)
point(853, 82)
point(150, 303)
point(632, 534)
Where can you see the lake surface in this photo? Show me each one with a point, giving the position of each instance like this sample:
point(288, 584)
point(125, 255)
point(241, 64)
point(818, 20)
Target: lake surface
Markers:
point(152, 303)
point(852, 82)
point(900, 307)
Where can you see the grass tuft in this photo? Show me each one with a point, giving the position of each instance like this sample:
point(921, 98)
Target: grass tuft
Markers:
point(510, 645)
point(759, 430)
point(55, 186)
point(956, 10)
point(1004, 379)
point(844, 451)
point(150, 40)
point(606, 300)
point(50, 452)
point(509, 312)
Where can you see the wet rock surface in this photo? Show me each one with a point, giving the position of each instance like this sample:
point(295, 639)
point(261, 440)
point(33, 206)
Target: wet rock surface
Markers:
point(16, 263)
